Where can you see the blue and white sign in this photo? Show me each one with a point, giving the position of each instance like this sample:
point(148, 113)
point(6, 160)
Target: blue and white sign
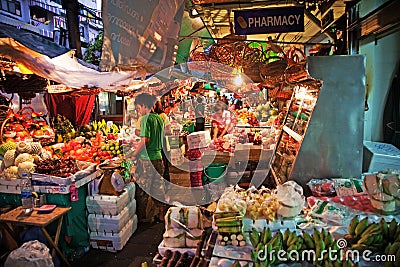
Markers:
point(270, 20)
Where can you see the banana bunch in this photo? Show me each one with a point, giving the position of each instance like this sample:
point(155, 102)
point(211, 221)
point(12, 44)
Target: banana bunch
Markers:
point(392, 250)
point(327, 251)
point(271, 249)
point(364, 235)
point(104, 128)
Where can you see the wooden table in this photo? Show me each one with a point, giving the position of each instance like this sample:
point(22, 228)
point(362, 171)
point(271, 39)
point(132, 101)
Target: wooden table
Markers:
point(41, 220)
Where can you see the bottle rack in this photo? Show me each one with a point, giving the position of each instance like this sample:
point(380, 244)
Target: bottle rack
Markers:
point(294, 128)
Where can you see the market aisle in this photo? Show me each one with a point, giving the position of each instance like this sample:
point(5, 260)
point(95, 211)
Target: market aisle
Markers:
point(141, 247)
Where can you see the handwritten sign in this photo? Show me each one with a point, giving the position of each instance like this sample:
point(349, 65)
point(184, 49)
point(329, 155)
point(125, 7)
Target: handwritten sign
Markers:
point(141, 33)
point(270, 20)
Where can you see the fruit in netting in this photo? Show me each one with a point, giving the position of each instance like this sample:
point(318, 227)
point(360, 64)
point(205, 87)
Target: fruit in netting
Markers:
point(7, 146)
point(36, 148)
point(9, 158)
point(25, 167)
point(45, 154)
point(23, 147)
point(11, 172)
point(22, 158)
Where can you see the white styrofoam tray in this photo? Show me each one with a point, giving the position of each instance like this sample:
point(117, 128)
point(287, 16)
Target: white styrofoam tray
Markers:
point(110, 205)
point(114, 241)
point(109, 223)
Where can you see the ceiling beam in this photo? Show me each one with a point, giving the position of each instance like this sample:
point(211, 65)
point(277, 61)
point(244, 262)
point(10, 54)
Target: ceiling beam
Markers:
point(314, 19)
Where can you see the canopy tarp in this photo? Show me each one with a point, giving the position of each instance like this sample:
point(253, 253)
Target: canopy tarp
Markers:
point(65, 68)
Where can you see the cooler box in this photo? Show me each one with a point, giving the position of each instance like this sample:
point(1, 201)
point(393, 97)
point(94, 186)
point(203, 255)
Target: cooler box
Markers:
point(108, 223)
point(110, 205)
point(114, 241)
point(199, 139)
point(380, 157)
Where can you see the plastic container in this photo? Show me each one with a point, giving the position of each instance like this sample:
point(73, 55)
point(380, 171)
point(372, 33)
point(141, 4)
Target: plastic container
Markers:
point(215, 172)
point(322, 187)
point(26, 193)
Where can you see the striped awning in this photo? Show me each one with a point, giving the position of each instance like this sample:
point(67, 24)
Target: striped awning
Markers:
point(43, 5)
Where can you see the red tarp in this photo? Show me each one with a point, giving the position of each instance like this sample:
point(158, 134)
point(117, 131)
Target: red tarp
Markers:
point(77, 109)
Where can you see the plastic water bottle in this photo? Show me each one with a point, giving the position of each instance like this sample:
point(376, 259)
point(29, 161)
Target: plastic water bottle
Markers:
point(26, 193)
point(73, 190)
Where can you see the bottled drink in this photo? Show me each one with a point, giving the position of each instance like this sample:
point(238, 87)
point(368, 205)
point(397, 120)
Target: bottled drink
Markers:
point(73, 190)
point(26, 193)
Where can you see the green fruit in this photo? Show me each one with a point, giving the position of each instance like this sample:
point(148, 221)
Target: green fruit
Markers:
point(384, 228)
point(353, 225)
point(361, 226)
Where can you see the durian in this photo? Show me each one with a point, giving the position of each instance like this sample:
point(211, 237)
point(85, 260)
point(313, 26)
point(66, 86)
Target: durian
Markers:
point(22, 158)
point(26, 167)
point(9, 158)
point(7, 146)
point(36, 148)
point(45, 154)
point(23, 147)
point(11, 172)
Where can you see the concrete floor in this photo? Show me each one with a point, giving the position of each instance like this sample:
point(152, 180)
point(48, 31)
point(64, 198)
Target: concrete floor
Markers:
point(141, 247)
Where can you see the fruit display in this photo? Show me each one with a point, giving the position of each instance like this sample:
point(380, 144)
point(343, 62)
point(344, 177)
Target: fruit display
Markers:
point(266, 113)
point(26, 125)
point(109, 129)
point(22, 159)
point(223, 144)
point(246, 117)
point(86, 150)
point(384, 191)
point(56, 167)
point(252, 203)
point(64, 129)
point(359, 202)
point(378, 237)
point(290, 246)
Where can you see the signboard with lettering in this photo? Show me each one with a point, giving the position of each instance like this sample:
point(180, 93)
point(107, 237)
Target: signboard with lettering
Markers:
point(270, 20)
point(140, 34)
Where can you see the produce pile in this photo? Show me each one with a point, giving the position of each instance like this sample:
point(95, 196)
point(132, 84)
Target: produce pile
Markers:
point(246, 117)
point(379, 237)
point(26, 125)
point(22, 157)
point(252, 203)
point(290, 245)
point(56, 167)
point(384, 191)
point(266, 113)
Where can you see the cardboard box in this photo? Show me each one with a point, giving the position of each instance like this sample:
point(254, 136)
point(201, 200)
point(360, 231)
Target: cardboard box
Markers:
point(380, 157)
point(198, 140)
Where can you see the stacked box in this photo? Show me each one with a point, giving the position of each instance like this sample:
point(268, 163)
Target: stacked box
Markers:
point(112, 219)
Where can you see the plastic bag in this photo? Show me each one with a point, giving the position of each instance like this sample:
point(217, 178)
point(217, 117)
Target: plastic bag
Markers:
point(30, 254)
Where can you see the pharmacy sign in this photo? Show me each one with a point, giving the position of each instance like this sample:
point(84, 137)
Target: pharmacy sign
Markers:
point(270, 20)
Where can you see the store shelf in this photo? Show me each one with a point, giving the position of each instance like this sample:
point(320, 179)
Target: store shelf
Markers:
point(293, 134)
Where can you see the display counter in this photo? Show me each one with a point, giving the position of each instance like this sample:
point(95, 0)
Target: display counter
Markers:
point(74, 228)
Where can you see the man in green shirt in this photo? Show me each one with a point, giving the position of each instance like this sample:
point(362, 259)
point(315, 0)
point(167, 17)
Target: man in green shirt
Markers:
point(149, 161)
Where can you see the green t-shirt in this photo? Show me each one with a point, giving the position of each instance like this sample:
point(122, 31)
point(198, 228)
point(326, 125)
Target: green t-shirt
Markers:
point(152, 127)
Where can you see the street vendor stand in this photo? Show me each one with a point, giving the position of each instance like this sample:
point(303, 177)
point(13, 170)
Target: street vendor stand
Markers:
point(74, 228)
